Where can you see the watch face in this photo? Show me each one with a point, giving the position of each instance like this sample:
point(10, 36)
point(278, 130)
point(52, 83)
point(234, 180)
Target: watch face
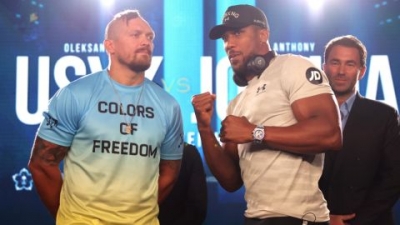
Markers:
point(259, 134)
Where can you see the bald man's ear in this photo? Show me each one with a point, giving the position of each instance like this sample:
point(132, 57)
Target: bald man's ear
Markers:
point(108, 45)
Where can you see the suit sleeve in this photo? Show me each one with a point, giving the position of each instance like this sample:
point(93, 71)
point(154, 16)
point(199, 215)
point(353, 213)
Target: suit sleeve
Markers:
point(386, 191)
point(196, 199)
point(329, 160)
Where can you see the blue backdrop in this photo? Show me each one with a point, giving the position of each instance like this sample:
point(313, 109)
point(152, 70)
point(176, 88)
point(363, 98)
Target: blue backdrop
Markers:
point(46, 44)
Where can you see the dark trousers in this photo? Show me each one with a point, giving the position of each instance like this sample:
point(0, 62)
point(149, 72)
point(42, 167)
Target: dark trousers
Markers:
point(281, 221)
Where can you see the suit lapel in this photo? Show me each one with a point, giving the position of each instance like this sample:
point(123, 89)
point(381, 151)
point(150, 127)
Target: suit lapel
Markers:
point(350, 132)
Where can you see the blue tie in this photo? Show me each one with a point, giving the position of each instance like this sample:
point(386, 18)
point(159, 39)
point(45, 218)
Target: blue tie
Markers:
point(344, 114)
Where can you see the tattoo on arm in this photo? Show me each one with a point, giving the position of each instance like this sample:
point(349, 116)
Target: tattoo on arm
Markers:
point(48, 152)
point(171, 164)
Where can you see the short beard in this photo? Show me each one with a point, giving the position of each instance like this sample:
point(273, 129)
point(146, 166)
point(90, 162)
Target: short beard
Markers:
point(139, 67)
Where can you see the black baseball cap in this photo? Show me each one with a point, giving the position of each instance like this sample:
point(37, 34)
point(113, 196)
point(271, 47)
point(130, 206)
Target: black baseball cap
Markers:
point(239, 16)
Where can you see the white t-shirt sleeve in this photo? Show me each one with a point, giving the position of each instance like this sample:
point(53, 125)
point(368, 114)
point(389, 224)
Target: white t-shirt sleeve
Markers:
point(302, 79)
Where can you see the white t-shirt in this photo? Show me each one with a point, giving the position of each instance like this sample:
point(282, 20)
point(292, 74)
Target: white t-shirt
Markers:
point(279, 183)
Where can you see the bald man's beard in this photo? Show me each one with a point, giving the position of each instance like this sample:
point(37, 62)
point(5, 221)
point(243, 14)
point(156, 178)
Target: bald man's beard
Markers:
point(138, 65)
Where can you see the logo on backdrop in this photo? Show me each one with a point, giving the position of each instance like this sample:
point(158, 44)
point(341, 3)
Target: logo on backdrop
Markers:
point(294, 47)
point(23, 180)
point(84, 48)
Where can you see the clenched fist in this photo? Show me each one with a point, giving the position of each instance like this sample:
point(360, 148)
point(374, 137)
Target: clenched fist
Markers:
point(203, 105)
point(236, 129)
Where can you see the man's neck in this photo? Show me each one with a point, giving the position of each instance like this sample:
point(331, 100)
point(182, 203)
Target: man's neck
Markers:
point(126, 77)
point(343, 98)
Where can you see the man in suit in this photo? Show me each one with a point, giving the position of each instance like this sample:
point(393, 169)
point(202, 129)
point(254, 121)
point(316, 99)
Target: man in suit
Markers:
point(361, 183)
point(187, 202)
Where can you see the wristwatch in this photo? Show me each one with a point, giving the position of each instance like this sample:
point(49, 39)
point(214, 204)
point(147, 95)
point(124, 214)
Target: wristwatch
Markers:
point(258, 134)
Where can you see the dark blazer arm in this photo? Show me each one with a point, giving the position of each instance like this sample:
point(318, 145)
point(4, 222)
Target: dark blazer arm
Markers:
point(196, 204)
point(386, 191)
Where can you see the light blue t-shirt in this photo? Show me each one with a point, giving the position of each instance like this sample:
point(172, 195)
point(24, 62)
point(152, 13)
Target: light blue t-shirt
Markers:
point(111, 174)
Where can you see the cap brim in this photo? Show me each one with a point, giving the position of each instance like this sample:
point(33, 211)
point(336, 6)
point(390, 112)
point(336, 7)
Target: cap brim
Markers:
point(217, 31)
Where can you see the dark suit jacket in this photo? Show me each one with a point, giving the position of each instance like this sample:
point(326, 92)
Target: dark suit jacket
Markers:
point(187, 202)
point(364, 177)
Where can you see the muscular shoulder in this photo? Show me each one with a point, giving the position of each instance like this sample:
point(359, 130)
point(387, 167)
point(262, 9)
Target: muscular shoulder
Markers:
point(294, 61)
point(161, 96)
point(87, 82)
point(81, 91)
